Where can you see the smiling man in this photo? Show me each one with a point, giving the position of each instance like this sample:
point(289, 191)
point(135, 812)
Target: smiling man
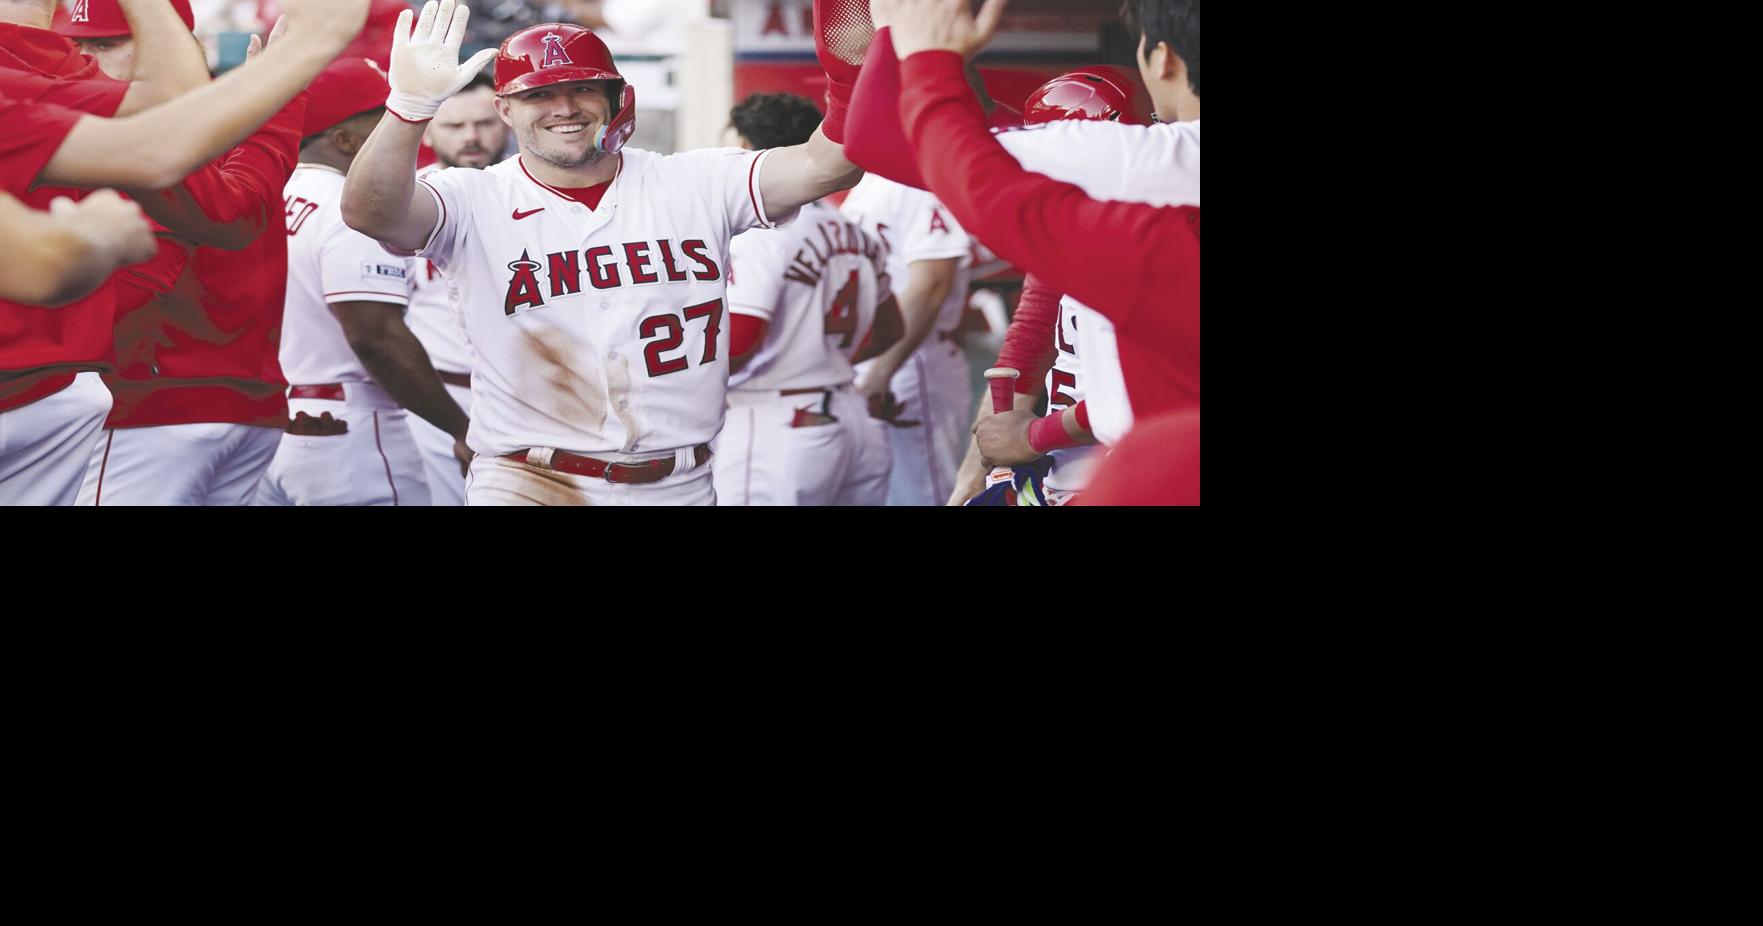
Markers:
point(592, 276)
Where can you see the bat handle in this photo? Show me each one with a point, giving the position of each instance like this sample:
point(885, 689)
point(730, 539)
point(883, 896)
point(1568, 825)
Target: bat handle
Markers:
point(1002, 382)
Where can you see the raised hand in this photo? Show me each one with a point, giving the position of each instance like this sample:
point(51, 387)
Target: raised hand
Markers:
point(425, 60)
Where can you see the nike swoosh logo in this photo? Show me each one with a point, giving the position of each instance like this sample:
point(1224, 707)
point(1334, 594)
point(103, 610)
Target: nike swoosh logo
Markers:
point(518, 215)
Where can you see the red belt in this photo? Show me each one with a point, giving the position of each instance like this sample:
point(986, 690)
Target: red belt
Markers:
point(326, 391)
point(627, 473)
point(462, 380)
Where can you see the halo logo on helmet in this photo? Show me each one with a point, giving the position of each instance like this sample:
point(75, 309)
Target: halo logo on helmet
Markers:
point(554, 53)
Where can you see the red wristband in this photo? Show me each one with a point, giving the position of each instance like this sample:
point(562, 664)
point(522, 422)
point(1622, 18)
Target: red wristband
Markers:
point(1047, 434)
point(838, 103)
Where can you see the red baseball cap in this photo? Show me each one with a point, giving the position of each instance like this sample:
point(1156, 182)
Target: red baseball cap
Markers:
point(102, 19)
point(347, 87)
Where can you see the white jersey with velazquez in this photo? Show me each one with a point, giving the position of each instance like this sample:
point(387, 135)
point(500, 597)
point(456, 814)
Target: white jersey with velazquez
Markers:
point(434, 313)
point(329, 262)
point(602, 330)
point(816, 282)
point(1157, 166)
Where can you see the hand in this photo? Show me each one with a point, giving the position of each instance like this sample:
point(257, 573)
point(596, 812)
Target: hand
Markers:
point(112, 224)
point(334, 22)
point(463, 454)
point(967, 490)
point(1003, 439)
point(259, 43)
point(939, 25)
point(841, 40)
point(880, 400)
point(425, 60)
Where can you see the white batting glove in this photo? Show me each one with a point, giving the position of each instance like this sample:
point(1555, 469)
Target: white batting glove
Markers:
point(425, 61)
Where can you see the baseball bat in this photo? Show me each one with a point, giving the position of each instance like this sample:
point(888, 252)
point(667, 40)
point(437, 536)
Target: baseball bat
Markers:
point(1002, 383)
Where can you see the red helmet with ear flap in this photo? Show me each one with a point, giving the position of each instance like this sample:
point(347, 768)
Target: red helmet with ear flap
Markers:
point(1095, 94)
point(555, 53)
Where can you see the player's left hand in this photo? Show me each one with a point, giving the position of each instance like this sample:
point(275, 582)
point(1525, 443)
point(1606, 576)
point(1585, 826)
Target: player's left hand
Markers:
point(939, 25)
point(1003, 438)
point(425, 60)
point(463, 454)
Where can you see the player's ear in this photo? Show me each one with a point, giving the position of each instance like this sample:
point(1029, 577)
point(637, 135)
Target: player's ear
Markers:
point(502, 110)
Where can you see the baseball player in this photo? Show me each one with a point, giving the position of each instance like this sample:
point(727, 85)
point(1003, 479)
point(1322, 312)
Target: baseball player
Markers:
point(51, 400)
point(802, 301)
point(199, 398)
point(1157, 165)
point(1150, 291)
point(465, 133)
point(592, 276)
point(1043, 332)
point(352, 364)
point(929, 256)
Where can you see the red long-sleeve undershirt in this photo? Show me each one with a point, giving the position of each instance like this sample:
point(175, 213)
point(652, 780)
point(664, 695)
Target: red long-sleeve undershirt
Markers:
point(1029, 344)
point(1137, 265)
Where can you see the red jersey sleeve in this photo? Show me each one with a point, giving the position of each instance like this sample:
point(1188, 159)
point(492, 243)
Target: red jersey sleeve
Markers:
point(33, 133)
point(875, 139)
point(1029, 344)
point(99, 96)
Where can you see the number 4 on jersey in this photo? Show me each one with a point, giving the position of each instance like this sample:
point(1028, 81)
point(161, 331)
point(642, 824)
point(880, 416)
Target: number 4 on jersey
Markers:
point(841, 318)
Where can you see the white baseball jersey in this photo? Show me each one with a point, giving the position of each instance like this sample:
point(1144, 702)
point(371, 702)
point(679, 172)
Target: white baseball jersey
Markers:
point(1065, 388)
point(915, 226)
point(596, 330)
point(816, 282)
point(329, 262)
point(434, 314)
point(1158, 166)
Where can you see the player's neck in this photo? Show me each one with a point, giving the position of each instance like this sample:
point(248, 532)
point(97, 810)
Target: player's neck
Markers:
point(571, 178)
point(38, 14)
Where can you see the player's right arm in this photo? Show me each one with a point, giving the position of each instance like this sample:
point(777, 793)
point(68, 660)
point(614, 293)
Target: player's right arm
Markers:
point(927, 286)
point(167, 61)
point(58, 256)
point(157, 148)
point(380, 197)
point(397, 361)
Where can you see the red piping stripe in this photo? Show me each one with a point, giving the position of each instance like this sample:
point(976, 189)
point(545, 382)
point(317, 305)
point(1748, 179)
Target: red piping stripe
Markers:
point(98, 502)
point(752, 194)
point(382, 450)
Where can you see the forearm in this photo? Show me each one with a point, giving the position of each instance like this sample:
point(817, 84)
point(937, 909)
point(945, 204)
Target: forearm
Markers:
point(887, 331)
point(1029, 344)
point(168, 60)
point(970, 476)
point(796, 176)
point(379, 192)
point(919, 303)
point(400, 365)
point(875, 140)
point(157, 148)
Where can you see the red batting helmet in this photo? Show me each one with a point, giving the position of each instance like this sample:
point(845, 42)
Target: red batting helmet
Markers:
point(1095, 94)
point(102, 19)
point(555, 53)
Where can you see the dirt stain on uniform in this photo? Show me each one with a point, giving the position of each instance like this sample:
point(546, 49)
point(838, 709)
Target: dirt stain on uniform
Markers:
point(574, 393)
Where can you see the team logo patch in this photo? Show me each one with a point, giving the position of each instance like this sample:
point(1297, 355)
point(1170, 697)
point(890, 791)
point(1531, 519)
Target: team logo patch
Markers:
point(554, 53)
point(374, 272)
point(80, 12)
